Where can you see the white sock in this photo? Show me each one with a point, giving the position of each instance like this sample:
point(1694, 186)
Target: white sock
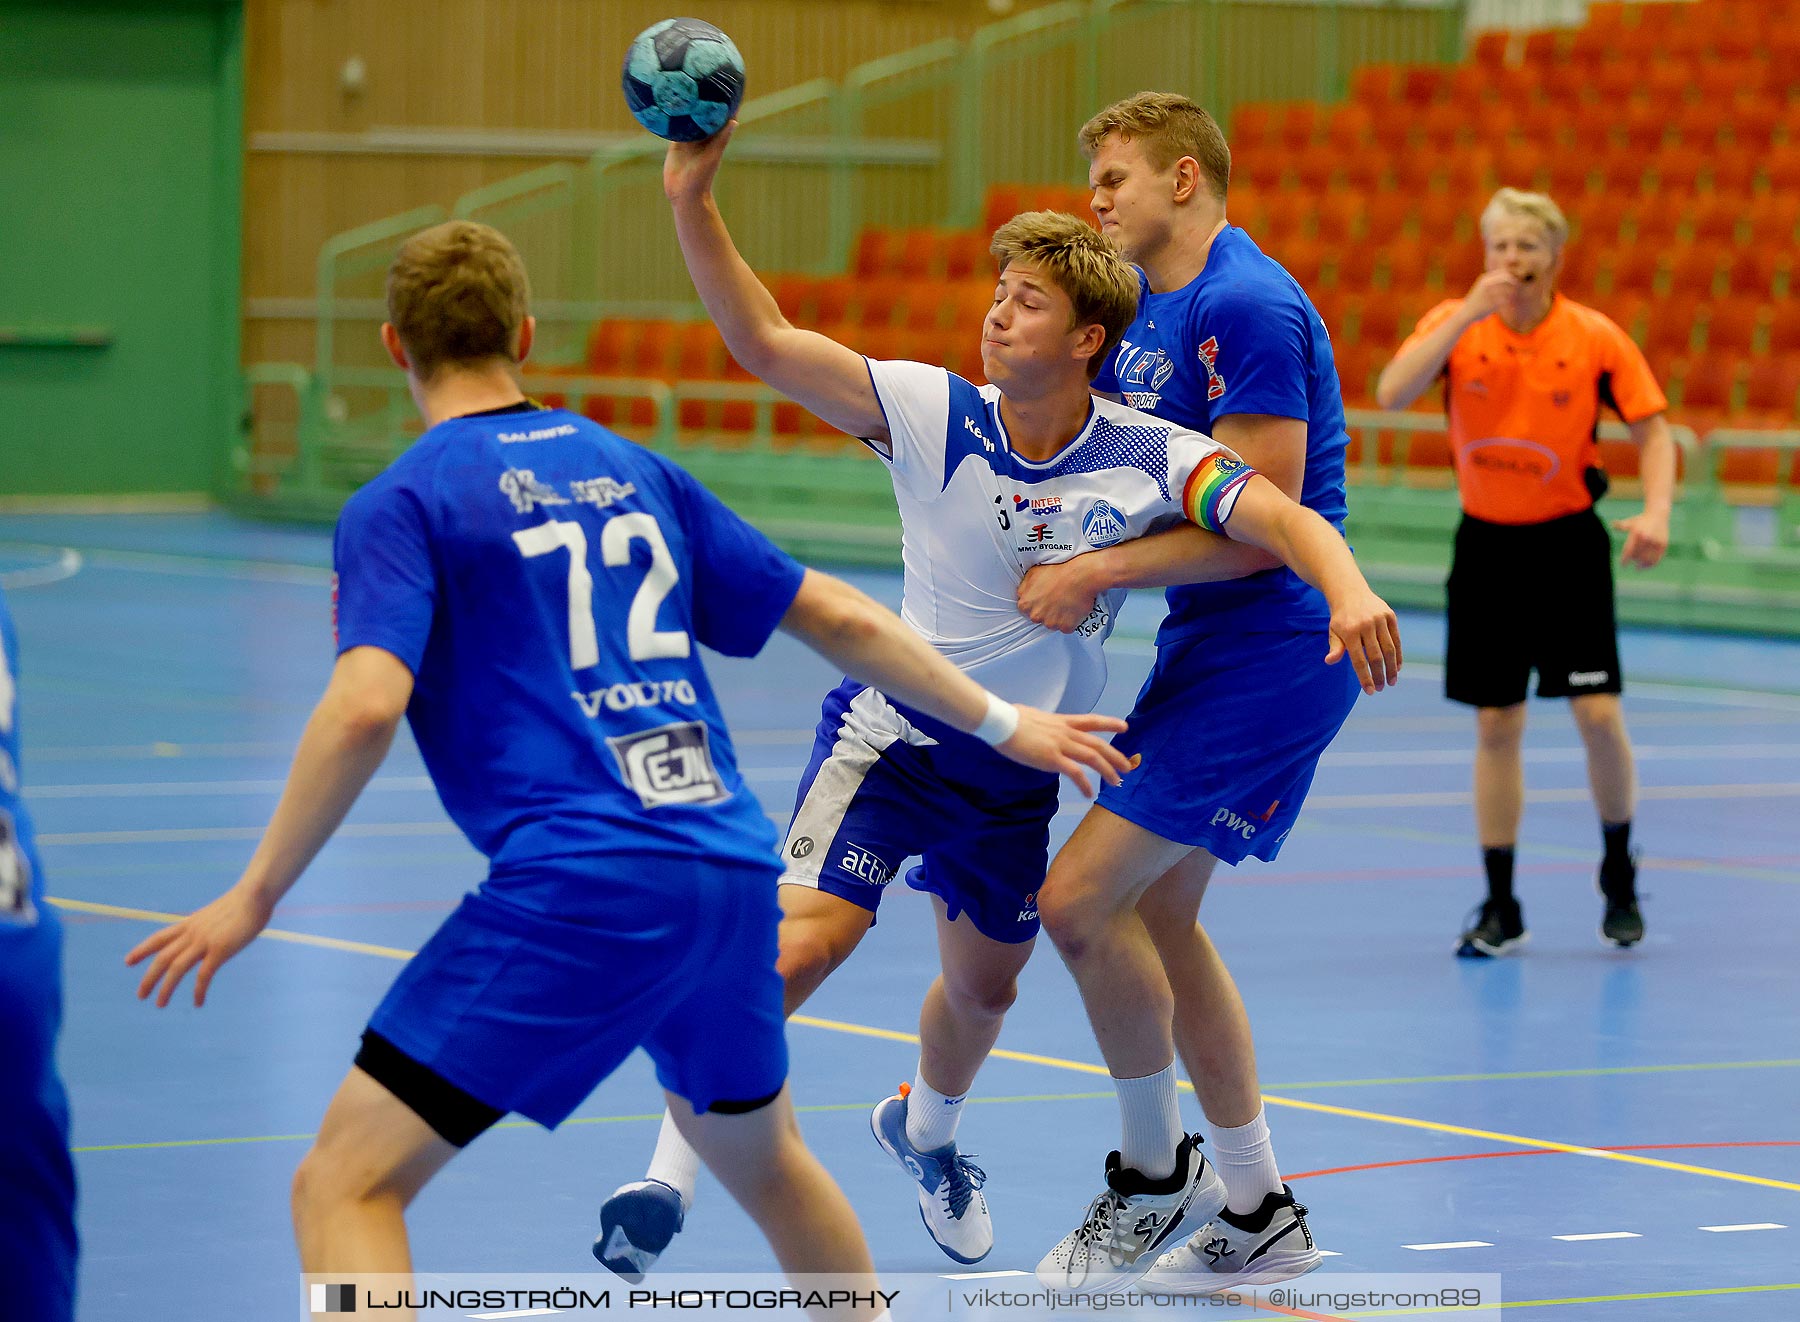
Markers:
point(1151, 1119)
point(931, 1117)
point(674, 1162)
point(1246, 1162)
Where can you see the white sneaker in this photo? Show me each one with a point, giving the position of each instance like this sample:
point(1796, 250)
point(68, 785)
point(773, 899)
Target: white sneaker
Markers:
point(1135, 1216)
point(951, 1203)
point(1228, 1255)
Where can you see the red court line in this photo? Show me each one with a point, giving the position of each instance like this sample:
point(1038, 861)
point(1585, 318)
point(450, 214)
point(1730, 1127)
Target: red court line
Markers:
point(1540, 1152)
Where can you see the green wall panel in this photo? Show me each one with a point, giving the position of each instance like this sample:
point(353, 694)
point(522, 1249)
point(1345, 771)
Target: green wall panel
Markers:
point(120, 146)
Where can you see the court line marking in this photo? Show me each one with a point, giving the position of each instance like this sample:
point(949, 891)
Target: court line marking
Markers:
point(67, 564)
point(1450, 1244)
point(1054, 1062)
point(1601, 1234)
point(1412, 758)
point(1431, 799)
point(1749, 1225)
point(1535, 1152)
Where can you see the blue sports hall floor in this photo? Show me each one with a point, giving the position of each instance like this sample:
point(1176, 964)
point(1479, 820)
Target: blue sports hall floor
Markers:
point(1617, 1134)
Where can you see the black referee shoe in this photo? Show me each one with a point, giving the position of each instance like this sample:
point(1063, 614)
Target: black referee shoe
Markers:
point(1497, 926)
point(1621, 924)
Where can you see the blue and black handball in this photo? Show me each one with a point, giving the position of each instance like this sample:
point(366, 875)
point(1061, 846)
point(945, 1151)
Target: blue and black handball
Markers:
point(683, 79)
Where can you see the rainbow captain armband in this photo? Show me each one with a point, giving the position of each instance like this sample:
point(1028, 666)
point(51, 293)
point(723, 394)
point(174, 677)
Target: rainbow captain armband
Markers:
point(1212, 490)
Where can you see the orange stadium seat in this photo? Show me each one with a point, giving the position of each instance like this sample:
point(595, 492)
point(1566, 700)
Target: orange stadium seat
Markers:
point(1349, 127)
point(1314, 166)
point(882, 298)
point(1581, 267)
point(1634, 268)
point(1378, 317)
point(1655, 223)
point(606, 346)
point(1304, 260)
point(1389, 214)
point(1732, 170)
point(1732, 325)
point(1421, 84)
point(1331, 303)
point(1462, 265)
point(1622, 171)
point(1374, 85)
point(1753, 119)
point(1253, 125)
point(652, 350)
point(1445, 219)
point(1773, 220)
point(1266, 168)
point(1288, 215)
point(1567, 176)
point(1444, 126)
point(1405, 263)
point(1599, 219)
point(966, 255)
point(1338, 218)
point(1642, 127)
point(1415, 172)
point(1694, 271)
point(1707, 387)
point(1364, 171)
point(1489, 51)
point(1784, 328)
point(1757, 272)
point(876, 250)
point(1781, 169)
point(1629, 311)
point(1714, 220)
point(1678, 167)
point(1003, 203)
point(1543, 48)
point(833, 297)
point(1356, 367)
point(1297, 124)
point(1674, 322)
point(1772, 390)
point(919, 254)
point(1354, 265)
point(793, 295)
point(1702, 123)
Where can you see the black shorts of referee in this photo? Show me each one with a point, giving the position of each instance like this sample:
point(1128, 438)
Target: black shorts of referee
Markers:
point(1533, 596)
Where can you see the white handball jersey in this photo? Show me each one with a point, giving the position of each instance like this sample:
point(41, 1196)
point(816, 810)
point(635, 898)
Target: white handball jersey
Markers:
point(974, 516)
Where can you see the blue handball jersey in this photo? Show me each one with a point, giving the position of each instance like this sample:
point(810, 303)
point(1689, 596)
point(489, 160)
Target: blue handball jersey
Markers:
point(21, 877)
point(1241, 337)
point(548, 584)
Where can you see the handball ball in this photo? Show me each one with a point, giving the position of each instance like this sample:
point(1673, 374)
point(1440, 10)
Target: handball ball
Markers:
point(683, 79)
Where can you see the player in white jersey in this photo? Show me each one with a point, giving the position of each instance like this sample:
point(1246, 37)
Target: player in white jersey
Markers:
point(1028, 470)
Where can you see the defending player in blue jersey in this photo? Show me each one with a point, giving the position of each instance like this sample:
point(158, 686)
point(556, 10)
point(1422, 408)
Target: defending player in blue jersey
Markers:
point(1230, 724)
point(989, 481)
point(37, 1178)
point(531, 592)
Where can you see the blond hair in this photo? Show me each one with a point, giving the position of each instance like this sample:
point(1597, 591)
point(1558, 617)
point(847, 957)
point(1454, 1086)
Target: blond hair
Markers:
point(1532, 206)
point(1102, 287)
point(1170, 127)
point(457, 294)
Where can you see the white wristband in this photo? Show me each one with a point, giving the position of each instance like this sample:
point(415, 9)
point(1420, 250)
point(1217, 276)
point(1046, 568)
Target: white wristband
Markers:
point(1000, 723)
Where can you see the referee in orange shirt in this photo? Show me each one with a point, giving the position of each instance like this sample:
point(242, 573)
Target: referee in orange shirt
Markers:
point(1526, 374)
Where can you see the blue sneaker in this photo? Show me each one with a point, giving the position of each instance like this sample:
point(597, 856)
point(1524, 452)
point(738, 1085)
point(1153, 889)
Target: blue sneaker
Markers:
point(950, 1200)
point(636, 1225)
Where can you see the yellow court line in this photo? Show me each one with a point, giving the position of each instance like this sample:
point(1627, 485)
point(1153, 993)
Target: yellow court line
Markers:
point(1053, 1062)
point(271, 933)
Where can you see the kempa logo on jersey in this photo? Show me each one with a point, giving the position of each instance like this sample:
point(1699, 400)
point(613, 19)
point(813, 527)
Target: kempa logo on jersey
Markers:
point(864, 866)
point(644, 693)
point(1103, 525)
point(671, 764)
point(970, 427)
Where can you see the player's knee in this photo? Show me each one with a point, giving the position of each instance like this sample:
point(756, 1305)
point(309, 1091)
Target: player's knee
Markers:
point(1598, 716)
point(981, 997)
point(809, 951)
point(1500, 728)
point(1071, 917)
point(329, 1177)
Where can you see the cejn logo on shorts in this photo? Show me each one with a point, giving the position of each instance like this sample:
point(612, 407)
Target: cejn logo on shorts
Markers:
point(671, 764)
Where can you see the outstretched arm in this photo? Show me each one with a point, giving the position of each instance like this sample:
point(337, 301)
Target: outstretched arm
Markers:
point(809, 368)
point(1362, 624)
point(870, 642)
point(343, 744)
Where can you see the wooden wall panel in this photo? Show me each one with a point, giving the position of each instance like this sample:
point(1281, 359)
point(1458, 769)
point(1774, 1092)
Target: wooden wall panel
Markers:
point(496, 65)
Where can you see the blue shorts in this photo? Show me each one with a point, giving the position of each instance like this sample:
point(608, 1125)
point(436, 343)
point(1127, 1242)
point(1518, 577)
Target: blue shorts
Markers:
point(529, 1014)
point(37, 1177)
point(1231, 728)
point(870, 799)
